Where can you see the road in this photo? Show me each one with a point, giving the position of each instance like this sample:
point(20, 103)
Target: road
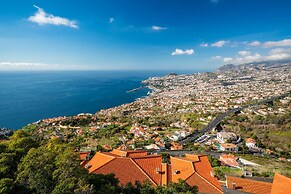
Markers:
point(218, 119)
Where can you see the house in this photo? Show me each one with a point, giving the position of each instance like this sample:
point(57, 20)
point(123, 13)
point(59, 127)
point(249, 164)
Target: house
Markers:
point(133, 165)
point(176, 146)
point(84, 155)
point(229, 160)
point(223, 136)
point(280, 185)
point(122, 147)
point(251, 143)
point(107, 147)
point(228, 147)
point(248, 185)
point(152, 147)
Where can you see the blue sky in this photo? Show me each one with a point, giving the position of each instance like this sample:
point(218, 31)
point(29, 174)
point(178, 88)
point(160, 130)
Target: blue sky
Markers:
point(142, 34)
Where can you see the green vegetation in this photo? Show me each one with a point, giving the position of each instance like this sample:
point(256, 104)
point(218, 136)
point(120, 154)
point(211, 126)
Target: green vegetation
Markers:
point(268, 166)
point(221, 171)
point(271, 131)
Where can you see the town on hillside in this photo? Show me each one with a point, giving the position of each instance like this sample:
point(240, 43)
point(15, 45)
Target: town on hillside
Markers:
point(253, 141)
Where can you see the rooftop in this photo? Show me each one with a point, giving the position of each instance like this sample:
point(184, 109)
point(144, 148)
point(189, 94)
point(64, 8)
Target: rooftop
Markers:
point(131, 166)
point(248, 185)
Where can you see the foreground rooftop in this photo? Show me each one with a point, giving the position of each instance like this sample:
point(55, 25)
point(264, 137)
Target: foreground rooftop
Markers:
point(132, 166)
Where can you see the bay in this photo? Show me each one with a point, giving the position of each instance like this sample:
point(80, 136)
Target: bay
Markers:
point(27, 97)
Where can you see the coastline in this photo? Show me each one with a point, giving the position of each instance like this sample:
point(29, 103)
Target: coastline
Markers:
point(39, 95)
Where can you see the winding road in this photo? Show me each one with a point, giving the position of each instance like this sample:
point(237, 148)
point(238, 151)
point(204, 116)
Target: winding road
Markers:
point(218, 119)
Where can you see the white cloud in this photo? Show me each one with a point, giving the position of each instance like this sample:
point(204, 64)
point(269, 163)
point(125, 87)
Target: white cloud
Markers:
point(183, 52)
point(278, 57)
point(250, 58)
point(220, 43)
point(254, 43)
point(204, 44)
point(6, 65)
point(280, 50)
point(244, 53)
point(285, 43)
point(274, 55)
point(158, 28)
point(42, 18)
point(11, 64)
point(279, 54)
point(227, 60)
point(216, 57)
point(244, 59)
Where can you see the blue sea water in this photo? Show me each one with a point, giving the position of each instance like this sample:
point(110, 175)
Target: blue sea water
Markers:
point(26, 97)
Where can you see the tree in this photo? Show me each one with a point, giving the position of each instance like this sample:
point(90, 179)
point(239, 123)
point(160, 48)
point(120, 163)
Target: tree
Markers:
point(8, 165)
point(214, 161)
point(104, 183)
point(6, 185)
point(219, 174)
point(69, 176)
point(53, 168)
point(35, 170)
point(174, 188)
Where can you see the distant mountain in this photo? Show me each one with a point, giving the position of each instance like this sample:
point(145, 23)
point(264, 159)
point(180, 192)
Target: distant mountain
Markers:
point(254, 66)
point(227, 67)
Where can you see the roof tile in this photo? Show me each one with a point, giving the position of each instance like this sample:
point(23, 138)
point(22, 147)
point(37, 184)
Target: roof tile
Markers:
point(150, 165)
point(124, 169)
point(281, 185)
point(248, 185)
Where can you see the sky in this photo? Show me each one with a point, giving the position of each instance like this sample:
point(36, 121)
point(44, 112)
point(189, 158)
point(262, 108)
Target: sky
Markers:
point(142, 34)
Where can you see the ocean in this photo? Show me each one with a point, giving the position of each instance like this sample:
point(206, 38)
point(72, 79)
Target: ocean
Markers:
point(26, 97)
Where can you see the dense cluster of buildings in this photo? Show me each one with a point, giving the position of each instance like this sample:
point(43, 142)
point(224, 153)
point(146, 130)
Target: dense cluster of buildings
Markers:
point(204, 94)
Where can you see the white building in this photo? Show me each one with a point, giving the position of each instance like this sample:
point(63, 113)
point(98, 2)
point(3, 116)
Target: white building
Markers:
point(251, 143)
point(228, 147)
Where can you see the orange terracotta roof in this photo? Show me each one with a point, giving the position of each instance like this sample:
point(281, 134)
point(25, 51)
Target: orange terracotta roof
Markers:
point(181, 168)
point(202, 184)
point(203, 168)
point(248, 185)
point(83, 155)
point(107, 147)
point(195, 168)
point(131, 166)
point(122, 147)
point(194, 158)
point(250, 140)
point(137, 153)
point(124, 169)
point(139, 164)
point(281, 185)
point(99, 160)
point(228, 156)
point(229, 160)
point(150, 165)
point(129, 153)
